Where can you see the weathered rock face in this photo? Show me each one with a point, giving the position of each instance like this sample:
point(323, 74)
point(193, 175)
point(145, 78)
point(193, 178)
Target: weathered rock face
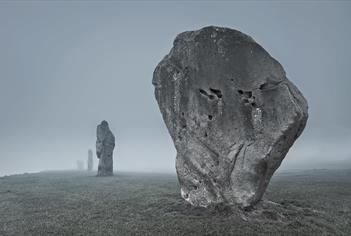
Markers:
point(105, 144)
point(90, 160)
point(231, 112)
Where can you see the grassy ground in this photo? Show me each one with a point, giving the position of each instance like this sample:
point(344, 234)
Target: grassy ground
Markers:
point(77, 203)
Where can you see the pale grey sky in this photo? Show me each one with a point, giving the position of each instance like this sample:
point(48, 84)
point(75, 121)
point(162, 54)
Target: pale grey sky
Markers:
point(65, 66)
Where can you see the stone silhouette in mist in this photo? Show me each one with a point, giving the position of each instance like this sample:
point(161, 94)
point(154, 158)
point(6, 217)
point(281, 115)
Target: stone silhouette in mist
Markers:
point(231, 112)
point(90, 160)
point(105, 144)
point(80, 165)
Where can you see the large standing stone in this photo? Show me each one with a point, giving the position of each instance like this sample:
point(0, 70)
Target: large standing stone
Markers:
point(105, 144)
point(231, 112)
point(90, 160)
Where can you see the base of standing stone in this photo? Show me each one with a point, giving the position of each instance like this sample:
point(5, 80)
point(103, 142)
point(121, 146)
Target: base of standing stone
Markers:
point(104, 174)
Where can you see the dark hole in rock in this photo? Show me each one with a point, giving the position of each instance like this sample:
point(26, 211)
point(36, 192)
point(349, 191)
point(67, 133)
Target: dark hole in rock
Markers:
point(205, 134)
point(184, 126)
point(248, 94)
point(240, 91)
point(263, 86)
point(186, 195)
point(253, 104)
point(210, 117)
point(182, 113)
point(246, 100)
point(214, 181)
point(203, 92)
point(217, 92)
point(195, 187)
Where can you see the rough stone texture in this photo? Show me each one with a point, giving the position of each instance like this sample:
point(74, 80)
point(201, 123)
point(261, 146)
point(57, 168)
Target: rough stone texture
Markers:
point(105, 144)
point(231, 112)
point(90, 160)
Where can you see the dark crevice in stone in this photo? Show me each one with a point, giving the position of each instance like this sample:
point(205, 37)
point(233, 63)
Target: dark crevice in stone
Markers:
point(204, 93)
point(245, 94)
point(269, 85)
point(248, 94)
point(246, 101)
point(236, 157)
point(263, 86)
point(210, 117)
point(247, 98)
point(215, 155)
point(217, 92)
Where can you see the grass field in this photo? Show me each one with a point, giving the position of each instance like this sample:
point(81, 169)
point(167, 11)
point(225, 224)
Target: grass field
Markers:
point(314, 202)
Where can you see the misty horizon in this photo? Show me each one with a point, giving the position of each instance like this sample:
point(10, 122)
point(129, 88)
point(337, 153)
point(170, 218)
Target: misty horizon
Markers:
point(66, 66)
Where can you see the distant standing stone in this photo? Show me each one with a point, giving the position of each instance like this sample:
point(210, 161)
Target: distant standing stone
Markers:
point(231, 112)
point(80, 165)
point(90, 160)
point(105, 144)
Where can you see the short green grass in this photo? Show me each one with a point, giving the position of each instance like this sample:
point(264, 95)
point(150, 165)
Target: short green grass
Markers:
point(78, 203)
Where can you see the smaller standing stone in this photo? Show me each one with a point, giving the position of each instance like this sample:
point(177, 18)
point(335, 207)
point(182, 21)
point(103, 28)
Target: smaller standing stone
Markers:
point(105, 144)
point(90, 160)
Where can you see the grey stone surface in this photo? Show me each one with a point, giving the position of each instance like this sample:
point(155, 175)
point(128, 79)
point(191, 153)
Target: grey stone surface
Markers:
point(231, 112)
point(105, 144)
point(90, 160)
